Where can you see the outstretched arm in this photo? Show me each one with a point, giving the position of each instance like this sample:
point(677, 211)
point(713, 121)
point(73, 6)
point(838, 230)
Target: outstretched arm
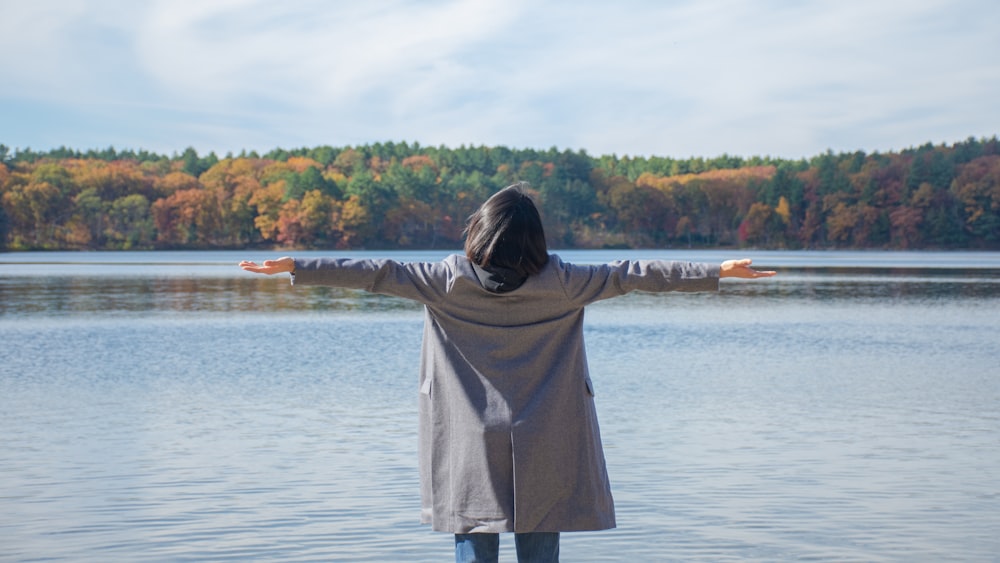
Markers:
point(269, 267)
point(740, 269)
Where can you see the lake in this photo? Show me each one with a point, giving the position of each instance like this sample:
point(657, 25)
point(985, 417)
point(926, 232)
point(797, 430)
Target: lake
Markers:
point(166, 406)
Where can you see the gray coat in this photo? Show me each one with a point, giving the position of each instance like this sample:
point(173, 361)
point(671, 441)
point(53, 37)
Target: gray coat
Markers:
point(509, 440)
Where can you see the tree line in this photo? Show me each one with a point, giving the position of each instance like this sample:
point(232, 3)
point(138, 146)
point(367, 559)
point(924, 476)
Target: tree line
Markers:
point(402, 195)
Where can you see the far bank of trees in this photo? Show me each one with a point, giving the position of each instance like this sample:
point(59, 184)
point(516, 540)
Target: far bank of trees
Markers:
point(400, 195)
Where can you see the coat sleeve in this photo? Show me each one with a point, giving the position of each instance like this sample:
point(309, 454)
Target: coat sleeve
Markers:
point(425, 282)
point(586, 284)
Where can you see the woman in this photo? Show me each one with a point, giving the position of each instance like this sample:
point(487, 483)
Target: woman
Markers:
point(509, 440)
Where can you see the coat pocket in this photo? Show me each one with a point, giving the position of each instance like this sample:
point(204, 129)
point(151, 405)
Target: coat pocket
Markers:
point(425, 387)
point(590, 385)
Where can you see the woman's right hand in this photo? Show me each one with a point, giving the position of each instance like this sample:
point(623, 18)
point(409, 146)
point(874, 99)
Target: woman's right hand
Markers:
point(742, 269)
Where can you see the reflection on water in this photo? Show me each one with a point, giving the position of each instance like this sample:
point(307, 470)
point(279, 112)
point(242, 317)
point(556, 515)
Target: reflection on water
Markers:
point(35, 298)
point(117, 296)
point(194, 412)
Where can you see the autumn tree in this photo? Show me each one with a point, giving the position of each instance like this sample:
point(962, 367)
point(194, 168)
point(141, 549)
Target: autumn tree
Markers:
point(129, 222)
point(767, 226)
point(977, 187)
point(268, 201)
point(88, 220)
point(34, 210)
point(186, 218)
point(309, 222)
point(233, 183)
point(643, 212)
point(398, 194)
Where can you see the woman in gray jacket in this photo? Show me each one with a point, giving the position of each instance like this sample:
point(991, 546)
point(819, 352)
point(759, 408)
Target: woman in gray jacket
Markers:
point(508, 433)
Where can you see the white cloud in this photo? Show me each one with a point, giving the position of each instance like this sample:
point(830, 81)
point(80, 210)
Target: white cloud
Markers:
point(677, 78)
point(308, 54)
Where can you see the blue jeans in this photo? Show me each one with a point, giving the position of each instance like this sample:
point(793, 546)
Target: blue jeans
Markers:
point(534, 547)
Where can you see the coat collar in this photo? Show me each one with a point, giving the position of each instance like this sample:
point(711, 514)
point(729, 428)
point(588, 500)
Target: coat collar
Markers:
point(498, 279)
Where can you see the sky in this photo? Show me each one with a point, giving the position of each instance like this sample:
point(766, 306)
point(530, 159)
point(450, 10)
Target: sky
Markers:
point(679, 79)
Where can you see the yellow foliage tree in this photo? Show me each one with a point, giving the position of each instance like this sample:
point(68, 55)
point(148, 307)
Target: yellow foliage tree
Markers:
point(783, 210)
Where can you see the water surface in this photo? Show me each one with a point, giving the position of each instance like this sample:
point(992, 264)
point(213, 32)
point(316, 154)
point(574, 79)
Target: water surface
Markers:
point(169, 407)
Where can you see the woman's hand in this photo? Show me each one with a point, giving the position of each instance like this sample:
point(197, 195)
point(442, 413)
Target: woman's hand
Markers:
point(741, 269)
point(279, 266)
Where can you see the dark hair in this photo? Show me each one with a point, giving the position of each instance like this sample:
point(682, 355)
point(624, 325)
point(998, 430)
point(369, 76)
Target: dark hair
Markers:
point(506, 231)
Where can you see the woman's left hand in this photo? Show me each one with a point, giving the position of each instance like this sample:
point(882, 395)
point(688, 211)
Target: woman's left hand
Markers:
point(269, 267)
